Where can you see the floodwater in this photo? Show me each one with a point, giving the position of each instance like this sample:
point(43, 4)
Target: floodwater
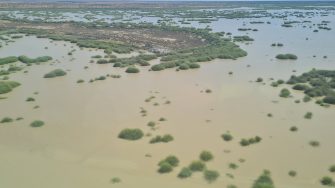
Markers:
point(78, 146)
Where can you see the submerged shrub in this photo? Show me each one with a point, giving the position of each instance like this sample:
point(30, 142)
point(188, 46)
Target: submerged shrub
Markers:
point(264, 181)
point(211, 175)
point(286, 56)
point(55, 73)
point(197, 166)
point(27, 60)
point(8, 86)
point(185, 173)
point(332, 168)
point(131, 134)
point(6, 120)
point(165, 167)
point(285, 93)
point(171, 160)
point(292, 173)
point(30, 99)
point(327, 181)
point(37, 123)
point(308, 115)
point(227, 137)
point(132, 70)
point(329, 99)
point(206, 156)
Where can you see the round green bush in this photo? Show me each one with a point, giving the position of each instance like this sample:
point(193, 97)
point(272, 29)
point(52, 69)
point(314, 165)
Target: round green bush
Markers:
point(197, 166)
point(332, 168)
point(206, 156)
point(184, 66)
point(132, 70)
point(131, 134)
point(227, 137)
point(285, 93)
point(165, 167)
point(185, 173)
point(329, 100)
point(171, 160)
point(292, 173)
point(326, 181)
point(37, 123)
point(194, 66)
point(211, 175)
point(300, 87)
point(55, 73)
point(158, 67)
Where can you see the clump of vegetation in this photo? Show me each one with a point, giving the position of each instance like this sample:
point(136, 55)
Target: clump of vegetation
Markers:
point(287, 56)
point(264, 181)
point(115, 180)
point(293, 128)
point(37, 123)
point(165, 139)
point(27, 60)
point(55, 73)
point(206, 156)
point(317, 83)
point(308, 115)
point(167, 164)
point(151, 124)
point(211, 175)
point(314, 143)
point(328, 181)
point(165, 167)
point(292, 173)
point(233, 166)
point(197, 166)
point(6, 120)
point(247, 142)
point(227, 137)
point(30, 99)
point(332, 169)
point(285, 93)
point(132, 70)
point(7, 60)
point(8, 86)
point(185, 173)
point(259, 80)
point(131, 134)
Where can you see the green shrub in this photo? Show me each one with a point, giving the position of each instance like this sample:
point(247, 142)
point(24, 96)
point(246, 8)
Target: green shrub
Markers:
point(194, 66)
point(197, 166)
point(292, 173)
point(8, 86)
point(285, 93)
point(206, 156)
point(259, 80)
point(293, 129)
point(286, 56)
point(211, 175)
point(263, 181)
point(115, 180)
point(233, 166)
point(165, 167)
point(171, 160)
point(165, 138)
point(6, 120)
point(131, 134)
point(300, 87)
point(227, 137)
point(80, 81)
point(102, 61)
point(55, 73)
point(329, 99)
point(185, 173)
point(30, 99)
point(27, 60)
point(308, 115)
point(314, 143)
point(37, 123)
point(151, 124)
point(132, 70)
point(7, 60)
point(332, 168)
point(327, 181)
